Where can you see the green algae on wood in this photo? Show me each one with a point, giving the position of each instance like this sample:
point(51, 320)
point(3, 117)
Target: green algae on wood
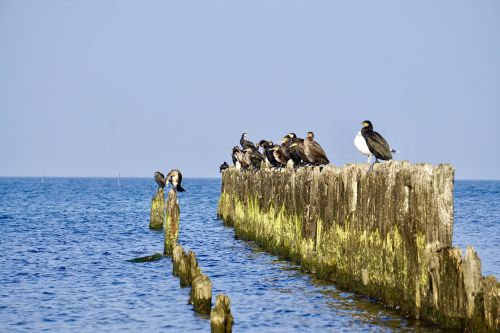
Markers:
point(221, 319)
point(386, 234)
point(157, 215)
point(201, 294)
point(150, 258)
point(171, 224)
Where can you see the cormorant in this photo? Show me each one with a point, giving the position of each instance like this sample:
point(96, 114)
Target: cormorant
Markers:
point(376, 143)
point(253, 158)
point(160, 179)
point(296, 149)
point(360, 143)
point(267, 145)
point(245, 143)
point(239, 158)
point(233, 155)
point(313, 151)
point(174, 177)
point(281, 154)
point(223, 166)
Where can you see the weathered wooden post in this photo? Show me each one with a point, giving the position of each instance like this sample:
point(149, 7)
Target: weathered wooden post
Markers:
point(201, 294)
point(188, 269)
point(157, 215)
point(387, 234)
point(177, 254)
point(221, 319)
point(171, 226)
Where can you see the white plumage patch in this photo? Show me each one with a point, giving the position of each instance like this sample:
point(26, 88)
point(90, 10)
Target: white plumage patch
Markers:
point(360, 144)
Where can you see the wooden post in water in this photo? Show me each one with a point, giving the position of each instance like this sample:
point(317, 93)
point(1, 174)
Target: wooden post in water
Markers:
point(157, 215)
point(201, 294)
point(172, 218)
point(188, 269)
point(221, 319)
point(177, 254)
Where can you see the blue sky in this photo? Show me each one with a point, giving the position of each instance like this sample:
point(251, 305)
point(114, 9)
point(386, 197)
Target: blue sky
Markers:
point(97, 88)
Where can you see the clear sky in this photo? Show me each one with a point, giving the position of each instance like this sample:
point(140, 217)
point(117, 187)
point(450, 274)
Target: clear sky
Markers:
point(97, 88)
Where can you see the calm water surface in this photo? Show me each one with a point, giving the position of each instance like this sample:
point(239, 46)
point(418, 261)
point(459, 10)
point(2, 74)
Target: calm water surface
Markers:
point(64, 246)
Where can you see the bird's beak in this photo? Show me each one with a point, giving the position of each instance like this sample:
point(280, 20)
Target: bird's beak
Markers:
point(293, 144)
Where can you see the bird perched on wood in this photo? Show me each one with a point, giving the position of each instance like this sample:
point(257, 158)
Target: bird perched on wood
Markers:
point(296, 149)
point(233, 155)
point(253, 158)
point(239, 158)
point(360, 143)
point(223, 166)
point(313, 151)
point(281, 155)
point(377, 145)
point(174, 177)
point(245, 143)
point(160, 179)
point(266, 146)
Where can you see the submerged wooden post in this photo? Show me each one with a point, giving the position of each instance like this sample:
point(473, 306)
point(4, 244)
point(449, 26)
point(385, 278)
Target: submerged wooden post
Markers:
point(171, 226)
point(201, 294)
point(157, 215)
point(221, 319)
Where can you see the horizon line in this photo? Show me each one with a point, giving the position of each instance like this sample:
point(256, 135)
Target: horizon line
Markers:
point(194, 177)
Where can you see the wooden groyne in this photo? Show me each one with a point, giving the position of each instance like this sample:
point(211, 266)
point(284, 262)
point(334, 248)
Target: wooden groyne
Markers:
point(386, 234)
point(185, 266)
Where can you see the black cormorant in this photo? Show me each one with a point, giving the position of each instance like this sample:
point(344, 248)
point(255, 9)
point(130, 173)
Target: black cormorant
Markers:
point(239, 159)
point(281, 154)
point(223, 166)
point(266, 146)
point(313, 151)
point(360, 143)
point(245, 143)
point(253, 158)
point(233, 155)
point(296, 149)
point(160, 179)
point(376, 143)
point(174, 177)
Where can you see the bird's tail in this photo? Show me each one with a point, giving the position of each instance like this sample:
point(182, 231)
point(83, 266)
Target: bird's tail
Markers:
point(179, 188)
point(394, 151)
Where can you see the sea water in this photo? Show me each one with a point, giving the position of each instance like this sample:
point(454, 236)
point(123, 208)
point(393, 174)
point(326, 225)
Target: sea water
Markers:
point(65, 243)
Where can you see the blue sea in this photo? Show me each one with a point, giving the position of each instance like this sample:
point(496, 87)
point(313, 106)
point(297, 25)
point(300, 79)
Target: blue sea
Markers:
point(65, 243)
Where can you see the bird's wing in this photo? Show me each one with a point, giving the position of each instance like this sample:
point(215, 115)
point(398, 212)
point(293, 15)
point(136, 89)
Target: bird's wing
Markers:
point(319, 151)
point(160, 179)
point(249, 144)
point(285, 152)
point(377, 145)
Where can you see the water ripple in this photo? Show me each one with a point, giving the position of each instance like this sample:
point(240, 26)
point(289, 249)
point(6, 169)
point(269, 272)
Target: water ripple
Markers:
point(66, 242)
